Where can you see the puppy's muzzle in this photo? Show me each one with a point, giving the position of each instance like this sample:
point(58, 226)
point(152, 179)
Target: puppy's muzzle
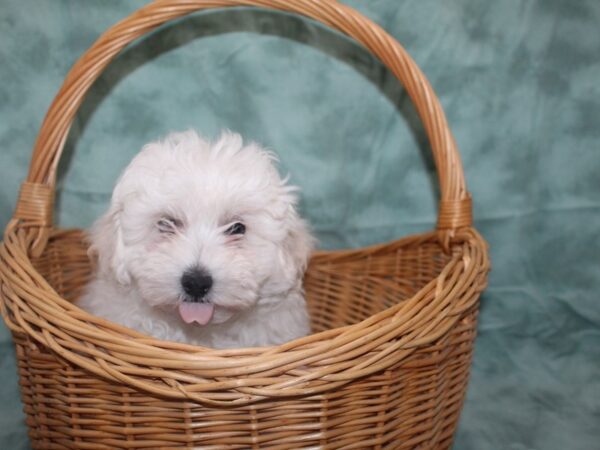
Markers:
point(196, 283)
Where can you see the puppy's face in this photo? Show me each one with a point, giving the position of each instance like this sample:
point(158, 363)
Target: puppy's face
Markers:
point(204, 229)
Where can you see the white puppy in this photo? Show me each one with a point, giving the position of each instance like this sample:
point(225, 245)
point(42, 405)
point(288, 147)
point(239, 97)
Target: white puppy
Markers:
point(202, 244)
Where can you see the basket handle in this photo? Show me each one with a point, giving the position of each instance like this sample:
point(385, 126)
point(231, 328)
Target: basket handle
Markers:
point(35, 203)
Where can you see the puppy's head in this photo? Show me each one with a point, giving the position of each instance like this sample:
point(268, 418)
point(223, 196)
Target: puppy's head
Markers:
point(207, 229)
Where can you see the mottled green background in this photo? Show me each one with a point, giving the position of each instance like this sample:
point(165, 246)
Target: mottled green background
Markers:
point(519, 80)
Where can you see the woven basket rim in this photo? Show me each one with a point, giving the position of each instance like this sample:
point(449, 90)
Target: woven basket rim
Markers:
point(66, 329)
point(119, 331)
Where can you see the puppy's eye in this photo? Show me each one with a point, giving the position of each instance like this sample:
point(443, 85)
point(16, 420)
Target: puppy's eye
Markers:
point(168, 225)
point(236, 228)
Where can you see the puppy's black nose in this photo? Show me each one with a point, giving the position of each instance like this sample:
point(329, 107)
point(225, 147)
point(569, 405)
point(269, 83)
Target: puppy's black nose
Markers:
point(196, 283)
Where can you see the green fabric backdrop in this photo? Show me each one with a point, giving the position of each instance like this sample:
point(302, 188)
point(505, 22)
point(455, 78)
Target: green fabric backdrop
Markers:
point(519, 80)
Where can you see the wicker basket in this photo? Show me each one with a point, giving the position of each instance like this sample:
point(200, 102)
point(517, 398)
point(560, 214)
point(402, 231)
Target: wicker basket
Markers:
point(394, 324)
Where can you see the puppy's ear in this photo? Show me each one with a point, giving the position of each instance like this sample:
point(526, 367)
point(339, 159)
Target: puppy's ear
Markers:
point(107, 244)
point(296, 247)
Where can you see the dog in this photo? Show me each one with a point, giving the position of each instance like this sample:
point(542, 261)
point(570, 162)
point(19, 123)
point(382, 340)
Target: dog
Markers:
point(202, 244)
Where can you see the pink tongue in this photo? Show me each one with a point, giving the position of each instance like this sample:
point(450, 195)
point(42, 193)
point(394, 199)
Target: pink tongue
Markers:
point(199, 312)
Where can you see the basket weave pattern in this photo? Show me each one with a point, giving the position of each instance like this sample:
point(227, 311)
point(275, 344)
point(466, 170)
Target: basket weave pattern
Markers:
point(394, 323)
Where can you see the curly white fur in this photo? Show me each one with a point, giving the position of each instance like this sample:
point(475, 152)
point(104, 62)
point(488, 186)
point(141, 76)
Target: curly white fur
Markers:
point(171, 211)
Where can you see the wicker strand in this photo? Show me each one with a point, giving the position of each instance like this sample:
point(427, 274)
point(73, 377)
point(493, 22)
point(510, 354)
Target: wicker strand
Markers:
point(35, 203)
point(455, 214)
